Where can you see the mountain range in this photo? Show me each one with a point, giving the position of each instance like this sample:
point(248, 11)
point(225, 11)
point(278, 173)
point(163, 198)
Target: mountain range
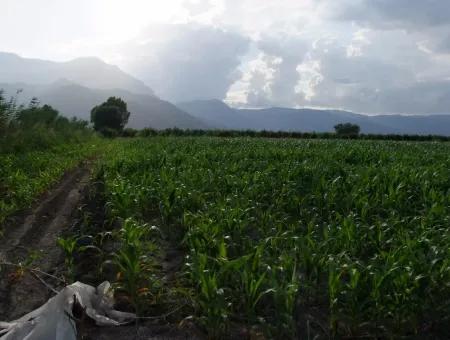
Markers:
point(74, 100)
point(76, 86)
point(217, 113)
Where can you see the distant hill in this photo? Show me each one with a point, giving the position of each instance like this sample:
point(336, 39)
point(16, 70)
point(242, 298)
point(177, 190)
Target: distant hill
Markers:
point(216, 113)
point(308, 120)
point(88, 72)
point(75, 100)
point(74, 87)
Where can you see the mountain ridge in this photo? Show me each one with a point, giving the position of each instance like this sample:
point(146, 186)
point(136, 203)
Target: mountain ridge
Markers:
point(74, 87)
point(90, 72)
point(315, 120)
point(74, 100)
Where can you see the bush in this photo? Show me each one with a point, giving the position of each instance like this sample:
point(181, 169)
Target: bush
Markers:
point(109, 132)
point(147, 132)
point(129, 132)
point(347, 129)
point(36, 127)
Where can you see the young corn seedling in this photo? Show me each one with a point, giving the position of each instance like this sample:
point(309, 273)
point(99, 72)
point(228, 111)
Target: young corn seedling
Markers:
point(68, 245)
point(131, 260)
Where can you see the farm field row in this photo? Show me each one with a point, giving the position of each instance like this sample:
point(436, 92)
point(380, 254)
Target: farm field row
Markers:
point(293, 238)
point(26, 175)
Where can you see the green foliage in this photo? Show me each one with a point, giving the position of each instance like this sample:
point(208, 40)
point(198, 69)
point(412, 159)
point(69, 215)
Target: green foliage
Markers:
point(109, 132)
point(37, 146)
point(148, 132)
point(129, 132)
point(68, 245)
point(26, 175)
point(131, 259)
point(36, 127)
point(277, 228)
point(35, 115)
point(347, 129)
point(112, 114)
point(8, 112)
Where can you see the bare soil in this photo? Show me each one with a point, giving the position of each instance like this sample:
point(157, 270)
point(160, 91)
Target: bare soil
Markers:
point(33, 234)
point(30, 239)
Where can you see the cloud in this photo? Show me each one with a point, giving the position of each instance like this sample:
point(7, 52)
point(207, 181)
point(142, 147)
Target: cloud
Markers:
point(377, 58)
point(254, 88)
point(187, 61)
point(398, 14)
point(369, 83)
point(427, 20)
point(197, 7)
point(436, 41)
point(271, 78)
point(365, 55)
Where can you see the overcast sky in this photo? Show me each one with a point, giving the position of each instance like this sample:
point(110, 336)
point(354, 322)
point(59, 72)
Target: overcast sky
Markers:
point(370, 56)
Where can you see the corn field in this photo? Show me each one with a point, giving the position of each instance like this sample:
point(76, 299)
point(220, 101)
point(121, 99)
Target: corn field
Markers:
point(26, 175)
point(352, 234)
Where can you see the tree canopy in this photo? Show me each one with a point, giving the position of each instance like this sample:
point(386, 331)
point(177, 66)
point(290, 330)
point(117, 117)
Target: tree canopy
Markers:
point(112, 114)
point(46, 115)
point(347, 129)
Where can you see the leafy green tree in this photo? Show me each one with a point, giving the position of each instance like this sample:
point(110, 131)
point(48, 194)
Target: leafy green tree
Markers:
point(36, 114)
point(112, 114)
point(347, 129)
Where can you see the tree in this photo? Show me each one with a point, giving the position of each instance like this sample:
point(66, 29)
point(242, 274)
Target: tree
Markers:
point(36, 114)
point(112, 114)
point(347, 129)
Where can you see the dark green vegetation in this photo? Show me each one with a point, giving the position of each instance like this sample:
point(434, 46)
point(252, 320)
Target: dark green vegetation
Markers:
point(290, 238)
point(295, 238)
point(111, 115)
point(36, 127)
point(347, 129)
point(148, 132)
point(24, 176)
point(37, 146)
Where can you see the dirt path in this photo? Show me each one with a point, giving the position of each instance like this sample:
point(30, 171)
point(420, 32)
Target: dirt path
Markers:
point(30, 238)
point(34, 235)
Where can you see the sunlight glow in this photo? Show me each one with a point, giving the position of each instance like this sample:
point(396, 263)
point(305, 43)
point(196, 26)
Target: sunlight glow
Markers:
point(123, 20)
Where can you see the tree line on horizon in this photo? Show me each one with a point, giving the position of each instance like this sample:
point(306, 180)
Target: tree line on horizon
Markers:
point(37, 125)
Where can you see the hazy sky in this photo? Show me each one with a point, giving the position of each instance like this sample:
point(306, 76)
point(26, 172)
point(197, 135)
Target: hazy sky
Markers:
point(371, 56)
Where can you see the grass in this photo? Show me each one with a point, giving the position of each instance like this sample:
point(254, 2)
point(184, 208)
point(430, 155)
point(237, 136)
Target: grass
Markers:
point(37, 145)
point(26, 175)
point(335, 238)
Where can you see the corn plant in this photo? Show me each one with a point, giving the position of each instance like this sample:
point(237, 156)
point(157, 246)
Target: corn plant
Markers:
point(131, 259)
point(69, 246)
point(359, 228)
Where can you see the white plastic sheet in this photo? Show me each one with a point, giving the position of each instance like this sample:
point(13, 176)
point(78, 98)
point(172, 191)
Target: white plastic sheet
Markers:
point(55, 320)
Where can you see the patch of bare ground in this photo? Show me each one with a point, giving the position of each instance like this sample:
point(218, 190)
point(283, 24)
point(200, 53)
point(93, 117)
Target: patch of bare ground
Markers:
point(29, 242)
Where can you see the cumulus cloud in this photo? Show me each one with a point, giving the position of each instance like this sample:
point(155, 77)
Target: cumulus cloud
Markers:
point(187, 61)
point(380, 57)
point(377, 82)
point(374, 56)
point(271, 78)
point(427, 20)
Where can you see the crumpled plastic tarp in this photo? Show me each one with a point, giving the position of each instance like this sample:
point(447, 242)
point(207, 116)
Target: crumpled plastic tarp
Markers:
point(55, 320)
